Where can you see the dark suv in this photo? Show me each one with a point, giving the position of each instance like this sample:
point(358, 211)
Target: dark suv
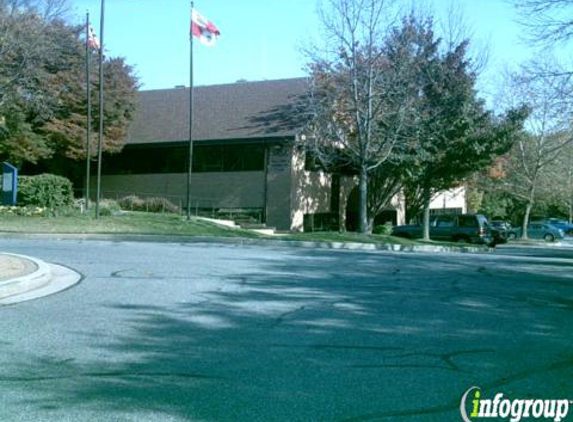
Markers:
point(470, 228)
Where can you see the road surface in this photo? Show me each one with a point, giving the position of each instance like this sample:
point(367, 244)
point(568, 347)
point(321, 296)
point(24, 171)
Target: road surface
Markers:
point(223, 333)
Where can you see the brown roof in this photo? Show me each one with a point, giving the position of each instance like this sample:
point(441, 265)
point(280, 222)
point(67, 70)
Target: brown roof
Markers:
point(243, 110)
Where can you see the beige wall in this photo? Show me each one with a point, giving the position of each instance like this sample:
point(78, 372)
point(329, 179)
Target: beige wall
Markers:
point(291, 191)
point(452, 198)
point(310, 191)
point(399, 204)
point(240, 189)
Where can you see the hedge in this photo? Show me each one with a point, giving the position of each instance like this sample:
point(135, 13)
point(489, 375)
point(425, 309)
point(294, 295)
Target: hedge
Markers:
point(45, 190)
point(154, 204)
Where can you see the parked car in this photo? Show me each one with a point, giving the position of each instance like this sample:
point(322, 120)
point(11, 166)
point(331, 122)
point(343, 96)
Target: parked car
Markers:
point(560, 224)
point(541, 230)
point(509, 232)
point(469, 228)
point(500, 224)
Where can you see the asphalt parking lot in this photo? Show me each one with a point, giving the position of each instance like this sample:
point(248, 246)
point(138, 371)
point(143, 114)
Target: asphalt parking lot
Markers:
point(208, 332)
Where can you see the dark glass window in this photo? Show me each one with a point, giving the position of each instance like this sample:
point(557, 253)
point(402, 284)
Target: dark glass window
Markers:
point(206, 158)
point(445, 222)
point(468, 221)
point(226, 158)
point(146, 161)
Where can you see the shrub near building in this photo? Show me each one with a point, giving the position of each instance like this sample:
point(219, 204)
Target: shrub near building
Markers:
point(154, 204)
point(45, 190)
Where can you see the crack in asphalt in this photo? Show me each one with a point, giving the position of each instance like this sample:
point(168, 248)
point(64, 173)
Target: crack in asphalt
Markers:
point(280, 319)
point(454, 404)
point(447, 358)
point(112, 374)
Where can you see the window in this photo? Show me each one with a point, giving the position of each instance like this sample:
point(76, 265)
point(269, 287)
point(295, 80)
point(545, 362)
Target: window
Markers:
point(448, 211)
point(206, 158)
point(445, 222)
point(468, 222)
point(326, 221)
point(148, 160)
point(227, 158)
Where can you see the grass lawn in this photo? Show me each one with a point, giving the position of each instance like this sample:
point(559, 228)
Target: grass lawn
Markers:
point(349, 237)
point(373, 238)
point(129, 223)
point(175, 225)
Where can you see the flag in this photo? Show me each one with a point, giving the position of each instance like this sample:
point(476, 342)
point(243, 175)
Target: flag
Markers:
point(92, 40)
point(203, 29)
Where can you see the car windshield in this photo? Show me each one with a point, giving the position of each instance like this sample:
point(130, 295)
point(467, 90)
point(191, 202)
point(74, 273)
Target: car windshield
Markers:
point(482, 220)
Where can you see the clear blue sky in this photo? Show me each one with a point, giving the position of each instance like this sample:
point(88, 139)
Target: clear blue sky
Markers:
point(260, 39)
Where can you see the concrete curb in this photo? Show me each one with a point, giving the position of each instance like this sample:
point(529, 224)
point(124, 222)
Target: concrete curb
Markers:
point(62, 278)
point(354, 246)
point(546, 245)
point(20, 284)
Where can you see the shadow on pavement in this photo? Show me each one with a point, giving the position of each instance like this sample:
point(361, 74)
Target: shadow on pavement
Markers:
point(323, 336)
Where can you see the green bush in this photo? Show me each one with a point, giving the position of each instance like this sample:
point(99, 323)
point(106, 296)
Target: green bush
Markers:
point(108, 207)
point(131, 203)
point(382, 229)
point(45, 190)
point(105, 212)
point(161, 205)
point(135, 203)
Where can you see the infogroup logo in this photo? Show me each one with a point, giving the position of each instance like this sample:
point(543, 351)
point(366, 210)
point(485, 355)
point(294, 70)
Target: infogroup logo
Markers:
point(474, 407)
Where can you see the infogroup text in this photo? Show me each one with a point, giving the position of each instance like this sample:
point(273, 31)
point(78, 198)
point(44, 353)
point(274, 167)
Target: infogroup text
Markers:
point(473, 407)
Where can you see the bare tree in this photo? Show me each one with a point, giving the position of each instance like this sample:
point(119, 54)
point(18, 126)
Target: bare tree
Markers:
point(48, 9)
point(547, 133)
point(560, 181)
point(548, 21)
point(357, 101)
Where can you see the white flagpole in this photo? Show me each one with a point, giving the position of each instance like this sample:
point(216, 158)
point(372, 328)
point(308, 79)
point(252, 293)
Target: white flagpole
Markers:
point(89, 113)
point(101, 112)
point(190, 158)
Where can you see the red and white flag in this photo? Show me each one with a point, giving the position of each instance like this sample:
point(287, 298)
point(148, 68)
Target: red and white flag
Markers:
point(203, 29)
point(92, 40)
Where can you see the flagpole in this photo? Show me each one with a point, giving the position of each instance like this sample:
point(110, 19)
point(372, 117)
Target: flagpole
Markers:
point(190, 158)
point(101, 116)
point(89, 113)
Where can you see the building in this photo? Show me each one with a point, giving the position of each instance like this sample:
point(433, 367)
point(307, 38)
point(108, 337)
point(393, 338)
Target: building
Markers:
point(245, 157)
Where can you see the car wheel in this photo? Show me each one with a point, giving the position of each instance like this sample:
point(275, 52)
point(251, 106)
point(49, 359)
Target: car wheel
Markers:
point(404, 235)
point(549, 237)
point(512, 236)
point(463, 239)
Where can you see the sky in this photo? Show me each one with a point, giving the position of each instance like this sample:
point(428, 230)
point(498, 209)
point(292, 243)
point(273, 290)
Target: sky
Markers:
point(263, 39)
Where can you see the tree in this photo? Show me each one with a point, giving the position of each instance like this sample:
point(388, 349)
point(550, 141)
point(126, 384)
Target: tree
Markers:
point(528, 177)
point(528, 166)
point(66, 127)
point(399, 106)
point(560, 176)
point(456, 136)
point(22, 47)
point(548, 21)
point(42, 85)
point(359, 98)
